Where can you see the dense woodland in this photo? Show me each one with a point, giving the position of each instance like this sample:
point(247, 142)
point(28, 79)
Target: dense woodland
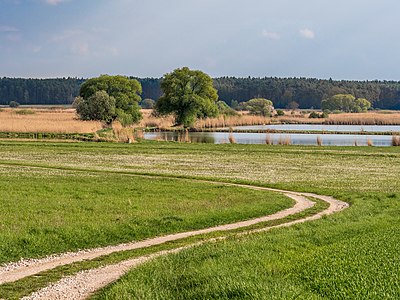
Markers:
point(308, 93)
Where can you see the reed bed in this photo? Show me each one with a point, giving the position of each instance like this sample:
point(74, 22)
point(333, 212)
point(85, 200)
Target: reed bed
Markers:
point(319, 141)
point(269, 140)
point(230, 121)
point(45, 120)
point(232, 139)
point(372, 118)
point(150, 121)
point(396, 141)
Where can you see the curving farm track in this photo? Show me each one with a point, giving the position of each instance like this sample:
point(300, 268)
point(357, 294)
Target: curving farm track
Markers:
point(83, 284)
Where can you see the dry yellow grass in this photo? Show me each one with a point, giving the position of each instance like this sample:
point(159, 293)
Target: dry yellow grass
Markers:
point(370, 118)
point(45, 120)
point(224, 121)
point(159, 122)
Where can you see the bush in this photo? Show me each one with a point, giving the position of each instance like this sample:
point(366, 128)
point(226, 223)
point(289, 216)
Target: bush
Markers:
point(225, 109)
point(148, 104)
point(258, 106)
point(14, 104)
point(280, 112)
point(315, 115)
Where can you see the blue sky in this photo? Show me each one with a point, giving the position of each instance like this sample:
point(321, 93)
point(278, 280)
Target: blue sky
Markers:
point(353, 39)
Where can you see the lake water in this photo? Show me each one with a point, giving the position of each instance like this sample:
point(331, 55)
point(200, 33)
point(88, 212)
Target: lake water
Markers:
point(260, 138)
point(327, 128)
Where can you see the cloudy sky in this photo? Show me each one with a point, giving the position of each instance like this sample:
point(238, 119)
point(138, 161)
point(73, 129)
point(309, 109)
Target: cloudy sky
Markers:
point(352, 39)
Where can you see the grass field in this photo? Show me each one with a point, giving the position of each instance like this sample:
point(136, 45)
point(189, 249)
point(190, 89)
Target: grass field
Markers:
point(52, 211)
point(351, 255)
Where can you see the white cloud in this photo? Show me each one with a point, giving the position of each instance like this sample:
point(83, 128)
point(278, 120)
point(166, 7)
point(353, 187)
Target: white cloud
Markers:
point(67, 35)
point(14, 37)
point(8, 29)
point(80, 49)
point(271, 35)
point(54, 2)
point(307, 33)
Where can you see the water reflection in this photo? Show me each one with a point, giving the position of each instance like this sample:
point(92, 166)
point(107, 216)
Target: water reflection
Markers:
point(316, 127)
point(273, 138)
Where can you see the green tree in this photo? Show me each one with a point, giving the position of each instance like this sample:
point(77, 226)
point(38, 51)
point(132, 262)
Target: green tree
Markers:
point(125, 91)
point(148, 103)
point(225, 109)
point(364, 104)
point(188, 95)
point(346, 103)
point(259, 106)
point(99, 106)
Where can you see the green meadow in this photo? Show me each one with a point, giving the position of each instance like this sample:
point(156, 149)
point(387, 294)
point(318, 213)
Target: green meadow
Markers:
point(350, 255)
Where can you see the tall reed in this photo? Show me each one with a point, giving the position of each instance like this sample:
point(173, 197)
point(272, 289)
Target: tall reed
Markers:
point(319, 141)
point(232, 139)
point(396, 140)
point(269, 140)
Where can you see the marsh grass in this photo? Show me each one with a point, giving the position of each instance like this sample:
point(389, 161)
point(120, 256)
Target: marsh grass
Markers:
point(396, 141)
point(230, 121)
point(319, 141)
point(24, 112)
point(45, 121)
point(284, 141)
point(231, 139)
point(370, 118)
point(269, 140)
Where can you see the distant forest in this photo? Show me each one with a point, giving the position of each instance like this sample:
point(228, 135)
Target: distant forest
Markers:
point(308, 93)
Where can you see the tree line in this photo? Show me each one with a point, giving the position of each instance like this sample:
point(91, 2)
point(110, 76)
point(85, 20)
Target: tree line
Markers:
point(306, 92)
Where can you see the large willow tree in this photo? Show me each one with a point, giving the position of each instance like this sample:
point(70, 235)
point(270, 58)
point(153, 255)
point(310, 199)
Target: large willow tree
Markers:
point(188, 95)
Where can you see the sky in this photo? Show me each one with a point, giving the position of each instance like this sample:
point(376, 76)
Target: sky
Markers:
point(352, 39)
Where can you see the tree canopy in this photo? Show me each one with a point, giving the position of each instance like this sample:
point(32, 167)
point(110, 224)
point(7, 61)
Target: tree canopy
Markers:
point(307, 92)
point(99, 106)
point(258, 106)
point(346, 103)
point(122, 104)
point(188, 95)
point(148, 103)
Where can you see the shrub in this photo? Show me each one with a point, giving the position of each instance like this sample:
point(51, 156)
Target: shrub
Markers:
point(225, 109)
point(280, 112)
point(314, 115)
point(148, 104)
point(13, 104)
point(258, 106)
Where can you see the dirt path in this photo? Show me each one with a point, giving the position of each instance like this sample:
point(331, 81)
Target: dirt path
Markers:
point(83, 284)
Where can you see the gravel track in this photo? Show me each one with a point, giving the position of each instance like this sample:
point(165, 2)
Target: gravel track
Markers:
point(83, 284)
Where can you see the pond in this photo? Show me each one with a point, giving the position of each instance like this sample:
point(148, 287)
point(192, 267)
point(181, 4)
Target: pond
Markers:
point(275, 138)
point(327, 128)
